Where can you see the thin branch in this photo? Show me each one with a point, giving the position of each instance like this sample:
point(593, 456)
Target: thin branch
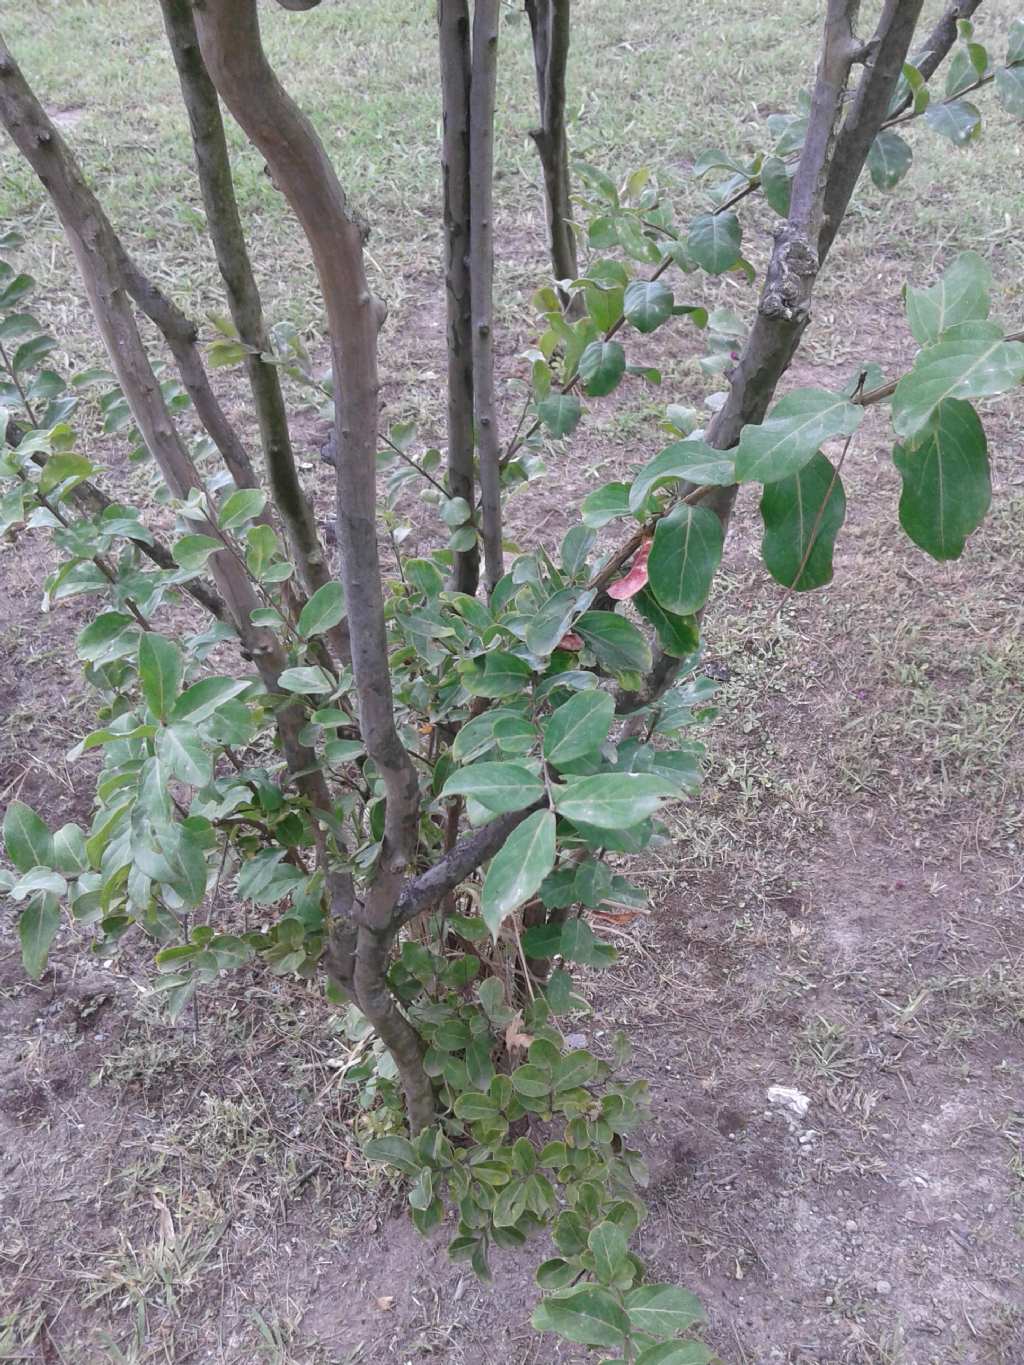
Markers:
point(481, 268)
point(213, 167)
point(424, 891)
point(550, 27)
point(939, 43)
point(229, 38)
point(868, 110)
point(453, 35)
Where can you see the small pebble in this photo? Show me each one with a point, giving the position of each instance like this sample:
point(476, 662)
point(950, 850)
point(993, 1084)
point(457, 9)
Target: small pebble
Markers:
point(883, 1287)
point(851, 1226)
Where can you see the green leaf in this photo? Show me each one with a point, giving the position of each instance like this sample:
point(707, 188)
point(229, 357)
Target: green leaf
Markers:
point(612, 800)
point(946, 483)
point(181, 748)
point(576, 545)
point(605, 504)
point(560, 414)
point(607, 1245)
point(1010, 89)
point(662, 1310)
point(395, 1151)
point(587, 1315)
point(777, 184)
point(39, 879)
point(517, 870)
point(616, 643)
point(961, 295)
point(456, 512)
point(791, 434)
point(546, 629)
point(685, 554)
point(499, 787)
point(1015, 43)
point(192, 552)
point(676, 1353)
point(243, 505)
point(601, 367)
point(889, 159)
point(556, 1273)
point(532, 1081)
point(160, 670)
point(323, 611)
point(261, 546)
point(105, 638)
point(580, 726)
point(28, 842)
point(647, 304)
point(959, 121)
point(198, 702)
point(69, 850)
point(37, 927)
point(424, 576)
point(790, 509)
point(59, 468)
point(677, 635)
point(309, 681)
point(503, 675)
point(694, 461)
point(714, 241)
point(472, 1105)
point(971, 361)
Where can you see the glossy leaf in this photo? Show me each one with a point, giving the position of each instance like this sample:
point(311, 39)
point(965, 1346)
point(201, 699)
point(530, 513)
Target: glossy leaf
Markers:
point(1015, 43)
point(560, 414)
point(601, 367)
point(37, 928)
point(647, 304)
point(517, 870)
point(199, 701)
point(971, 361)
point(160, 670)
point(792, 512)
point(959, 121)
point(676, 1353)
point(605, 504)
point(324, 610)
point(608, 1247)
point(677, 635)
point(961, 295)
point(714, 241)
point(578, 727)
point(616, 643)
point(792, 433)
point(612, 800)
point(1010, 89)
point(889, 159)
point(243, 505)
point(192, 552)
point(503, 675)
point(694, 461)
point(180, 747)
point(499, 787)
point(777, 184)
point(685, 554)
point(27, 840)
point(587, 1315)
point(946, 483)
point(663, 1310)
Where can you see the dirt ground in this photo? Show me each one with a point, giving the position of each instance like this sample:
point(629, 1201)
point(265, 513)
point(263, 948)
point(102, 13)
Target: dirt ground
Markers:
point(839, 914)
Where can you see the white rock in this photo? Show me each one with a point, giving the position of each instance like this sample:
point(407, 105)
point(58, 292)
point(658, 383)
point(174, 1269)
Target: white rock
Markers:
point(793, 1100)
